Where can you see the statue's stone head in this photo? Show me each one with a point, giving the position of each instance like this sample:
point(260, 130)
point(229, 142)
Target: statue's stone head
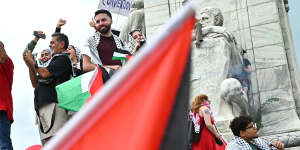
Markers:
point(138, 4)
point(231, 91)
point(211, 17)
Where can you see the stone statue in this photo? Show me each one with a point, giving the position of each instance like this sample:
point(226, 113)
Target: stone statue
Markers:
point(215, 59)
point(233, 99)
point(135, 20)
point(275, 87)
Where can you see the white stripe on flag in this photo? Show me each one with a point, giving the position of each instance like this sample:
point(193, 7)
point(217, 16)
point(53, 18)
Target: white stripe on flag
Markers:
point(85, 80)
point(116, 54)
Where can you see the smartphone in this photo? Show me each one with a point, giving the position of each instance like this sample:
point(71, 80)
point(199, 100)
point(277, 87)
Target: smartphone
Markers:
point(142, 42)
point(42, 36)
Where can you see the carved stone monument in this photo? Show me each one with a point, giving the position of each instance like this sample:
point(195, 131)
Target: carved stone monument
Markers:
point(215, 59)
point(261, 27)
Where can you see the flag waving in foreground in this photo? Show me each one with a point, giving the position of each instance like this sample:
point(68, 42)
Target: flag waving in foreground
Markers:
point(143, 106)
point(73, 94)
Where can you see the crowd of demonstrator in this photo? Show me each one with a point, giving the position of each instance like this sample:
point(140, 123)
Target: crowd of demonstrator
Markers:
point(57, 64)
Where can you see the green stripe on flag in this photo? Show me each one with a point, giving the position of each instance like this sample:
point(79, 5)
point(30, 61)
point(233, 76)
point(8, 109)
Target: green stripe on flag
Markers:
point(39, 63)
point(70, 95)
point(119, 58)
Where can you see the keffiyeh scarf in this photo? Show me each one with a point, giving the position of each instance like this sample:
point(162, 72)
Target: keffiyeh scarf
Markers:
point(195, 117)
point(93, 43)
point(260, 143)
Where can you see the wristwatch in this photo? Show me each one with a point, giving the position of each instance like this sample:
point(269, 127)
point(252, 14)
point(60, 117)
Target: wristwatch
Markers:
point(36, 66)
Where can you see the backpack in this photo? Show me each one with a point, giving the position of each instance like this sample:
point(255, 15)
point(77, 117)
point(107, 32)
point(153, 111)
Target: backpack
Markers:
point(193, 136)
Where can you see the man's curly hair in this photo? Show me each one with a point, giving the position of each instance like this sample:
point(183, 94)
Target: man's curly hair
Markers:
point(240, 124)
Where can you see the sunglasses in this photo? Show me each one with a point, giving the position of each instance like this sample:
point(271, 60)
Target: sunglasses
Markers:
point(252, 126)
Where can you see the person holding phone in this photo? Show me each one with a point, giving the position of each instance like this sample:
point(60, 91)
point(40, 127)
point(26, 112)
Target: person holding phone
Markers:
point(50, 117)
point(138, 38)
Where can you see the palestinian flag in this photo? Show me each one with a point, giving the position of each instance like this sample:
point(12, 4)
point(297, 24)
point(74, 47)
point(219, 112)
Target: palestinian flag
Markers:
point(121, 55)
point(40, 63)
point(143, 106)
point(73, 94)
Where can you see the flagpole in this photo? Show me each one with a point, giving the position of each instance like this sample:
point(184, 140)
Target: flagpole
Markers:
point(64, 138)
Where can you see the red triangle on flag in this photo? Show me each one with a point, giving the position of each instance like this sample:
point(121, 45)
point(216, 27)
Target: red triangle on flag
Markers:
point(95, 84)
point(128, 57)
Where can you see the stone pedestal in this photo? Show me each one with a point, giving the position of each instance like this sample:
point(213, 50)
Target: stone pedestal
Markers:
point(261, 27)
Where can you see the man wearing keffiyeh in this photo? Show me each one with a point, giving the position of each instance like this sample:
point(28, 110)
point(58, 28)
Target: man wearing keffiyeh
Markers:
point(246, 137)
point(102, 45)
point(136, 40)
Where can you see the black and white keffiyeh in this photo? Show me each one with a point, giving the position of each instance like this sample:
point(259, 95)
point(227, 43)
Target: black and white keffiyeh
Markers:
point(131, 43)
point(196, 120)
point(260, 143)
point(93, 43)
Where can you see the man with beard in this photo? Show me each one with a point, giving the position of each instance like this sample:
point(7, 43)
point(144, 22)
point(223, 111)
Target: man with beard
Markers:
point(102, 44)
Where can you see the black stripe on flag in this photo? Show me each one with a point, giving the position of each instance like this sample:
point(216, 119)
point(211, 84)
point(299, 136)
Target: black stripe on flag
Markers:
point(175, 137)
point(122, 51)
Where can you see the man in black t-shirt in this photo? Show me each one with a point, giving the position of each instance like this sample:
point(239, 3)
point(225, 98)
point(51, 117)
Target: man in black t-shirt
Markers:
point(50, 117)
point(244, 75)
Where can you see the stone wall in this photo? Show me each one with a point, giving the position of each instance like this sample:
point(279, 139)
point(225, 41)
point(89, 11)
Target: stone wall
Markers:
point(283, 9)
point(158, 12)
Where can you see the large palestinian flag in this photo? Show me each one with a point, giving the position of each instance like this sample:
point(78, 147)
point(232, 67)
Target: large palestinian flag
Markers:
point(144, 106)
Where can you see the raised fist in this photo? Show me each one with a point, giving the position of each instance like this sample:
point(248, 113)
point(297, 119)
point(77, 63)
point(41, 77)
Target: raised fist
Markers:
point(60, 23)
point(92, 23)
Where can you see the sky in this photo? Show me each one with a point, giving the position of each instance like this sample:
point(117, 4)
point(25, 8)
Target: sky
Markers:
point(20, 18)
point(295, 24)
